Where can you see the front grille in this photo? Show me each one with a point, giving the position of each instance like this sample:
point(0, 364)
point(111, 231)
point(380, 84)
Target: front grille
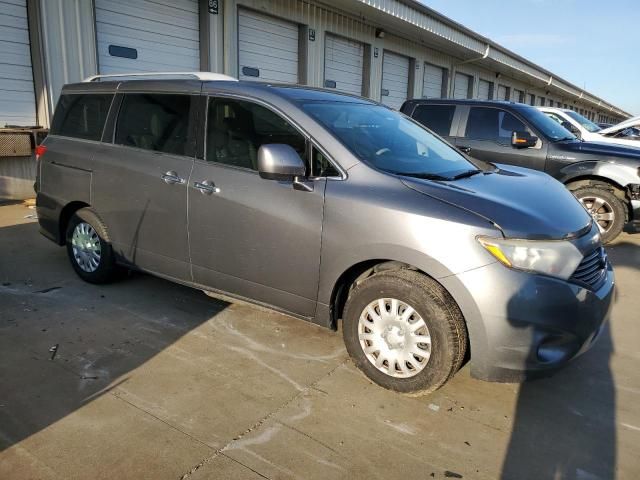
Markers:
point(592, 270)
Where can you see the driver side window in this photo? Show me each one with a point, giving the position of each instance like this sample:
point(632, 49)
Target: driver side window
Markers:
point(236, 129)
point(493, 124)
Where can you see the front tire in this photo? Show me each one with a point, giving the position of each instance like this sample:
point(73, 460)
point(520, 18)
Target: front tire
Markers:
point(89, 249)
point(607, 210)
point(404, 331)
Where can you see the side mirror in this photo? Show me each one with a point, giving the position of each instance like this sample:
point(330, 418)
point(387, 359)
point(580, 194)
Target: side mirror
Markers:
point(523, 140)
point(278, 161)
point(571, 128)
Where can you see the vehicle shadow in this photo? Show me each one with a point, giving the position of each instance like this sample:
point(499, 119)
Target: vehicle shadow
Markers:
point(565, 426)
point(63, 342)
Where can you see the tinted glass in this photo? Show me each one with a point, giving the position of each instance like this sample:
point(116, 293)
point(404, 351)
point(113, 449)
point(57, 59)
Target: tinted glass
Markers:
point(586, 123)
point(321, 166)
point(436, 117)
point(387, 140)
point(156, 122)
point(81, 116)
point(492, 124)
point(546, 126)
point(236, 129)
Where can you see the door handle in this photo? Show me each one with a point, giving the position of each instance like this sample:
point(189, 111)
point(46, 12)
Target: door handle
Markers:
point(172, 177)
point(466, 150)
point(206, 187)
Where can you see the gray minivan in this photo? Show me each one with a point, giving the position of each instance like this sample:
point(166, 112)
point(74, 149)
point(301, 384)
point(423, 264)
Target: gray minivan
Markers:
point(330, 208)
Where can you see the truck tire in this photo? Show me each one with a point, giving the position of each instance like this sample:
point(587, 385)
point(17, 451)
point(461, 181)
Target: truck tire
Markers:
point(607, 210)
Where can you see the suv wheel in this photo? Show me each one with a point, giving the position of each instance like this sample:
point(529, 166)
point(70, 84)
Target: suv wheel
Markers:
point(404, 331)
point(605, 208)
point(89, 249)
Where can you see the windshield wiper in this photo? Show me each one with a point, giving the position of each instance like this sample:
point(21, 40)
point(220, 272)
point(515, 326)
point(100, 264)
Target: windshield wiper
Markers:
point(468, 173)
point(425, 176)
point(564, 139)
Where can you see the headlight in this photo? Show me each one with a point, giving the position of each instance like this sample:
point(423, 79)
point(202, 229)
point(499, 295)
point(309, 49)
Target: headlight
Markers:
point(554, 258)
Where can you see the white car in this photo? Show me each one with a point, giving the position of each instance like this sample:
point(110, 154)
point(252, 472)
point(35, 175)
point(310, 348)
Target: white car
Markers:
point(588, 131)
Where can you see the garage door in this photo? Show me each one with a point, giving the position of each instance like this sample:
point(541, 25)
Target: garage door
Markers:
point(484, 90)
point(395, 79)
point(16, 79)
point(517, 95)
point(432, 82)
point(146, 36)
point(343, 64)
point(502, 93)
point(267, 48)
point(461, 86)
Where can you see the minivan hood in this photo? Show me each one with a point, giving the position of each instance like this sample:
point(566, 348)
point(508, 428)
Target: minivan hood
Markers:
point(523, 203)
point(600, 149)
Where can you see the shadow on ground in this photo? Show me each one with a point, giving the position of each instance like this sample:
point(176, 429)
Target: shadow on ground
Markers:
point(64, 342)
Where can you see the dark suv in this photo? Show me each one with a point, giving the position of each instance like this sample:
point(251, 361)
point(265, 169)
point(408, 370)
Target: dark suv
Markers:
point(605, 178)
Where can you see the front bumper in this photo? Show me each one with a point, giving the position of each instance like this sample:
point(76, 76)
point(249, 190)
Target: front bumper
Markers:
point(529, 325)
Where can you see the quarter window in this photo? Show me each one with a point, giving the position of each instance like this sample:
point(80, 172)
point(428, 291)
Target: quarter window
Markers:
point(493, 124)
point(437, 118)
point(81, 115)
point(158, 122)
point(236, 129)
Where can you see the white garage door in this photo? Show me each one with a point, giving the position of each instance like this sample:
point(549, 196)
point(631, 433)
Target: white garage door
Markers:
point(461, 86)
point(517, 95)
point(432, 82)
point(395, 79)
point(502, 93)
point(147, 36)
point(267, 48)
point(484, 90)
point(343, 64)
point(16, 78)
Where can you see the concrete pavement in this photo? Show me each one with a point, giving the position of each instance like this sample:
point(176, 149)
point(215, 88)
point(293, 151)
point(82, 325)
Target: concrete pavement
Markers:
point(154, 380)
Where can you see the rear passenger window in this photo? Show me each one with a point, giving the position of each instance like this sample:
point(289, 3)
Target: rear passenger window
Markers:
point(236, 129)
point(155, 121)
point(436, 117)
point(493, 124)
point(81, 115)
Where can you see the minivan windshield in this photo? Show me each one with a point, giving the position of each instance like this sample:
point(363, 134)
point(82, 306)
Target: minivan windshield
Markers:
point(387, 140)
point(547, 126)
point(585, 122)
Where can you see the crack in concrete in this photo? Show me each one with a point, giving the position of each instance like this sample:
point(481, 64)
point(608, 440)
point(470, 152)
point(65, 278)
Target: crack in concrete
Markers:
point(259, 423)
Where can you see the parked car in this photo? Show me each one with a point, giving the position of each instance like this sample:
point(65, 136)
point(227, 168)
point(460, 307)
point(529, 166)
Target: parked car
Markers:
point(604, 177)
point(327, 207)
point(585, 129)
point(605, 125)
point(628, 130)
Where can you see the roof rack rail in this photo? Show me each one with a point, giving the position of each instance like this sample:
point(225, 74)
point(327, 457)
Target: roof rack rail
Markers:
point(204, 76)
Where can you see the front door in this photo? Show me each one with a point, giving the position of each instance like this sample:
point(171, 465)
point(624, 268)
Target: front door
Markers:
point(251, 237)
point(140, 183)
point(487, 136)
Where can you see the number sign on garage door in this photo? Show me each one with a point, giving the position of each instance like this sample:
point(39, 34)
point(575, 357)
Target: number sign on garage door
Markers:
point(343, 64)
point(395, 79)
point(143, 36)
point(432, 81)
point(18, 106)
point(485, 90)
point(462, 85)
point(267, 48)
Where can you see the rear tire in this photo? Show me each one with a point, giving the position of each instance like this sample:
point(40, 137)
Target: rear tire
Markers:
point(607, 210)
point(416, 355)
point(89, 248)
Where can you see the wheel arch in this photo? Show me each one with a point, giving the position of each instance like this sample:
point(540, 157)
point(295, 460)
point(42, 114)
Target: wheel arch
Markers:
point(65, 215)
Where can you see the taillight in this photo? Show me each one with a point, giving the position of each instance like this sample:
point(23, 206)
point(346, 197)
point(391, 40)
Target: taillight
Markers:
point(40, 150)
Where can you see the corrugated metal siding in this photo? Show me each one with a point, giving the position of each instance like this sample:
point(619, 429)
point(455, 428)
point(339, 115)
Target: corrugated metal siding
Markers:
point(432, 82)
point(395, 79)
point(484, 89)
point(461, 85)
point(16, 76)
point(68, 37)
point(344, 62)
point(163, 33)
